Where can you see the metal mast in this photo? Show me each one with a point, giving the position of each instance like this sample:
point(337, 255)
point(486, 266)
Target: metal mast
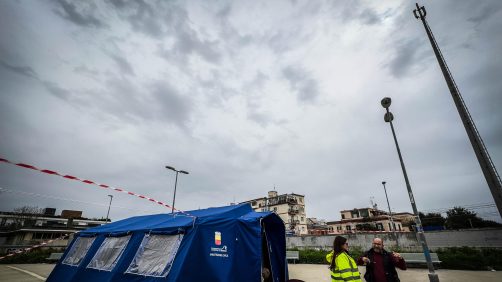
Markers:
point(490, 172)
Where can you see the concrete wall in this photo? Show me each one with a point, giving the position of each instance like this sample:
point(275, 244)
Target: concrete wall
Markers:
point(480, 238)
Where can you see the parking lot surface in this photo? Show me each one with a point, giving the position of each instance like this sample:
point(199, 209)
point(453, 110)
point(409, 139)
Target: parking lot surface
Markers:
point(306, 272)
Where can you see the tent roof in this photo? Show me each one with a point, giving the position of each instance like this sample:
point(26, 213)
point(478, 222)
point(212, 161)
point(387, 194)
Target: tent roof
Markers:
point(171, 221)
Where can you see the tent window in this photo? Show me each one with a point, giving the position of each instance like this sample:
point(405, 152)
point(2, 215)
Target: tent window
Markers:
point(155, 255)
point(109, 253)
point(78, 250)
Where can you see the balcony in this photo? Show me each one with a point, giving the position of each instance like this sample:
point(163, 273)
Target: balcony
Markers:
point(293, 211)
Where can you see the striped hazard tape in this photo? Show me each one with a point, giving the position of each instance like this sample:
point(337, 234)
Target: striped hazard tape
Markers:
point(25, 250)
point(104, 186)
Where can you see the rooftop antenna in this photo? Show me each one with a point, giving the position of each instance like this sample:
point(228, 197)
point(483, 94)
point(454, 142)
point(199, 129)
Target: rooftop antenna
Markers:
point(490, 172)
point(373, 204)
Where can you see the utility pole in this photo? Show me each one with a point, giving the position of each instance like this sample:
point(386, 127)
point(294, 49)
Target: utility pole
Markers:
point(388, 117)
point(109, 205)
point(175, 183)
point(490, 172)
point(393, 228)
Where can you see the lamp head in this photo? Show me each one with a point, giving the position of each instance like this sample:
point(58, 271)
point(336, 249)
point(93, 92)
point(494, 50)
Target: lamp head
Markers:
point(383, 182)
point(388, 117)
point(386, 102)
point(170, 167)
point(184, 172)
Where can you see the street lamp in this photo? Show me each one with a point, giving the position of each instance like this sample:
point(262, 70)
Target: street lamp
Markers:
point(175, 182)
point(393, 226)
point(388, 117)
point(109, 205)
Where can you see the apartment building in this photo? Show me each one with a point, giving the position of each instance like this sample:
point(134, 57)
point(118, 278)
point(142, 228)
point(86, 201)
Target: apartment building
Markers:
point(289, 207)
point(365, 219)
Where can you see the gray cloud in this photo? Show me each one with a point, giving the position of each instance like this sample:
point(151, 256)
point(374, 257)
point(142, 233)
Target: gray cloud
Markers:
point(57, 90)
point(123, 64)
point(86, 71)
point(355, 11)
point(145, 18)
point(22, 70)
point(230, 111)
point(406, 58)
point(161, 20)
point(370, 17)
point(484, 11)
point(170, 104)
point(302, 83)
point(78, 15)
point(26, 71)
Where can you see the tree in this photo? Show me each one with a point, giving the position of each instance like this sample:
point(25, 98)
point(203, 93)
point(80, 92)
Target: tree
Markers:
point(459, 217)
point(27, 215)
point(432, 219)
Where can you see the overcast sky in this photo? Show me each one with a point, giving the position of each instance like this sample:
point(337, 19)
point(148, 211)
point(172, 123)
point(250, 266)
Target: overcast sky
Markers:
point(246, 96)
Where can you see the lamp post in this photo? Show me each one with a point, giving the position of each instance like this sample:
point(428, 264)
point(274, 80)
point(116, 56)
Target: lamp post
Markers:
point(388, 117)
point(109, 205)
point(393, 226)
point(175, 182)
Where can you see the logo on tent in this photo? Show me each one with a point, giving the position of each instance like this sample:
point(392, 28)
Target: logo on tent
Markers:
point(217, 238)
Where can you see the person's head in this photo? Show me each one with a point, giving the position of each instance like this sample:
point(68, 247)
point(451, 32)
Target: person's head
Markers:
point(377, 245)
point(340, 245)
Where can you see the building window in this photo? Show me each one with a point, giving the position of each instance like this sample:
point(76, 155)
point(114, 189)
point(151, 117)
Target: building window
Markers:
point(155, 255)
point(275, 209)
point(399, 225)
point(347, 228)
point(301, 200)
point(379, 226)
point(301, 219)
point(78, 250)
point(364, 213)
point(343, 216)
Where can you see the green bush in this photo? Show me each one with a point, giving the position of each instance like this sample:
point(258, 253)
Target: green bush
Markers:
point(466, 258)
point(462, 258)
point(311, 256)
point(34, 256)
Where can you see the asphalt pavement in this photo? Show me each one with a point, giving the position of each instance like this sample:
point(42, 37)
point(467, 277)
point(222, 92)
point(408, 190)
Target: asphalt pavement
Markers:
point(306, 272)
point(320, 273)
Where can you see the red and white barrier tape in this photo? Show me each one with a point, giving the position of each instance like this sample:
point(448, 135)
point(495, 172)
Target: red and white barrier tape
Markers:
point(104, 186)
point(25, 250)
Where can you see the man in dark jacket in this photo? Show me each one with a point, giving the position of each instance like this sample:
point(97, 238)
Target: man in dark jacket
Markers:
point(380, 264)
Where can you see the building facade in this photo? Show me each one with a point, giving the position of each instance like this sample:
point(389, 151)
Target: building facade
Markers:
point(289, 207)
point(365, 219)
point(317, 226)
point(21, 230)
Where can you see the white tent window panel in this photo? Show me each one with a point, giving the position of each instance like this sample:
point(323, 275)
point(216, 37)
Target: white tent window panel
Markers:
point(78, 250)
point(109, 253)
point(155, 255)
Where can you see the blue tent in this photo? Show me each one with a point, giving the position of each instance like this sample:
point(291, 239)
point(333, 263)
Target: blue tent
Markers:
point(231, 243)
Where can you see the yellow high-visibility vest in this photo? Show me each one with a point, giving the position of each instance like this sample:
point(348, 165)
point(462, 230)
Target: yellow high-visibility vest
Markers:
point(345, 268)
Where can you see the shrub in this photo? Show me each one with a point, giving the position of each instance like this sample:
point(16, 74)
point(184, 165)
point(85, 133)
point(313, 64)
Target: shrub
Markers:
point(312, 256)
point(34, 256)
point(466, 258)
